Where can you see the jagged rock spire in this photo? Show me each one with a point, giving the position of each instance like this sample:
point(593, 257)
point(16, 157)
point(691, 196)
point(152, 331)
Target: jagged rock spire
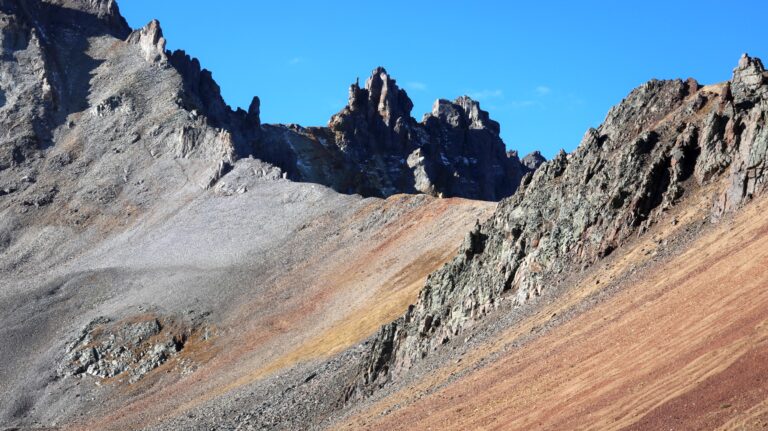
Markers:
point(151, 41)
point(455, 151)
point(533, 160)
point(254, 111)
point(377, 117)
point(388, 100)
point(748, 80)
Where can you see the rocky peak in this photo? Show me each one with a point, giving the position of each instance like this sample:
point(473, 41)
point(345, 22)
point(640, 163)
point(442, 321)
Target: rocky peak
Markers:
point(254, 111)
point(478, 119)
point(462, 113)
point(455, 151)
point(533, 160)
point(388, 100)
point(380, 98)
point(376, 121)
point(105, 13)
point(468, 155)
point(446, 112)
point(151, 41)
point(644, 106)
point(749, 79)
point(202, 93)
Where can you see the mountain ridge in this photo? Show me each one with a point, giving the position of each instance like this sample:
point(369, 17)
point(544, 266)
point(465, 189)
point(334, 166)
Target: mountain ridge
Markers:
point(171, 263)
point(639, 161)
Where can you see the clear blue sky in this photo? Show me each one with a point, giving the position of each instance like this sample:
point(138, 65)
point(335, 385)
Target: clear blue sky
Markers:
point(545, 70)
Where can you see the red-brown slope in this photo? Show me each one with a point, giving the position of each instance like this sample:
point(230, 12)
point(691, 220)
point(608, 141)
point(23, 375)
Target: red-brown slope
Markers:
point(682, 347)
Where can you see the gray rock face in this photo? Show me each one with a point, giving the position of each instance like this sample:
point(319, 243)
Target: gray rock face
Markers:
point(664, 139)
point(748, 80)
point(375, 148)
point(151, 40)
point(533, 161)
point(465, 156)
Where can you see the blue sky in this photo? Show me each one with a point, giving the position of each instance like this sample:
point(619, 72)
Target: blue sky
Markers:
point(546, 70)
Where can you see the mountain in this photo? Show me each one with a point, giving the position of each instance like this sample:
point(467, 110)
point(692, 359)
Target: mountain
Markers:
point(168, 262)
point(375, 148)
point(664, 144)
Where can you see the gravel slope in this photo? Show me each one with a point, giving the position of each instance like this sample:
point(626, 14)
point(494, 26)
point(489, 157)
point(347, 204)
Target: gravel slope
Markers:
point(257, 281)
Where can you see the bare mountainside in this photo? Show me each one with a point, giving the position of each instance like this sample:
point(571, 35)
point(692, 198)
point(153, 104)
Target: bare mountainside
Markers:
point(649, 340)
point(170, 263)
point(140, 241)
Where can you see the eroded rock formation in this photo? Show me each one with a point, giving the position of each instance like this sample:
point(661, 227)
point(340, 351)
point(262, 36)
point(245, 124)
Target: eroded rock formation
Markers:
point(373, 146)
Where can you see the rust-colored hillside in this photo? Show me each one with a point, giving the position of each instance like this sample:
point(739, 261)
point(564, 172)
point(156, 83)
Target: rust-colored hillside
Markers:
point(682, 344)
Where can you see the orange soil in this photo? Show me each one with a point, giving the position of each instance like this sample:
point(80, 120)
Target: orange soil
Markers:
point(685, 346)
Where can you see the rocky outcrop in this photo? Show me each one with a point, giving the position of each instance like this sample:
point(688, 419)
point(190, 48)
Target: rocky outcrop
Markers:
point(533, 161)
point(107, 349)
point(374, 147)
point(748, 83)
point(27, 84)
point(151, 41)
point(747, 93)
point(663, 140)
point(374, 132)
point(464, 155)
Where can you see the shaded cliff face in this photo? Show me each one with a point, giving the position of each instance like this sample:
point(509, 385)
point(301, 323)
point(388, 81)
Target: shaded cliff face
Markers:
point(374, 147)
point(664, 140)
point(464, 154)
